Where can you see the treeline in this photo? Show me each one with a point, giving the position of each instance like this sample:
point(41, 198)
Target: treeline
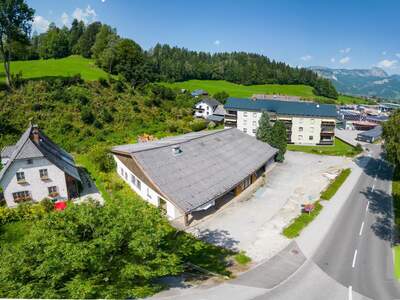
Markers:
point(122, 56)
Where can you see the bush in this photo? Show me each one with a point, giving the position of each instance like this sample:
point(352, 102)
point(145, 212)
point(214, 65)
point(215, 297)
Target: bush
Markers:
point(211, 125)
point(87, 116)
point(241, 258)
point(198, 125)
point(102, 158)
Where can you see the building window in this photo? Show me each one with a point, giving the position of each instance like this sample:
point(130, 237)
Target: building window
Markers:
point(311, 129)
point(245, 130)
point(300, 129)
point(310, 137)
point(22, 196)
point(138, 184)
point(133, 179)
point(312, 121)
point(126, 175)
point(255, 115)
point(300, 137)
point(121, 171)
point(254, 123)
point(148, 193)
point(244, 122)
point(53, 191)
point(245, 114)
point(43, 174)
point(29, 161)
point(20, 176)
point(254, 131)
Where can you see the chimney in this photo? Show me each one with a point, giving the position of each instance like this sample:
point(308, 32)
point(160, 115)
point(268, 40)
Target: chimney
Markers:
point(35, 134)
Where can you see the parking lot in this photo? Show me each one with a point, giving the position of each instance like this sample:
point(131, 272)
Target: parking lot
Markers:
point(255, 225)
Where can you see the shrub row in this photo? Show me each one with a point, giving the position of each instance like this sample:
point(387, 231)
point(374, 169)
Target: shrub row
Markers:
point(25, 211)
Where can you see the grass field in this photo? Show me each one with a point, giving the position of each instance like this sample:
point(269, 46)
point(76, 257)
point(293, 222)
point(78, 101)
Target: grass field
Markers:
point(63, 67)
point(335, 184)
point(340, 148)
point(246, 91)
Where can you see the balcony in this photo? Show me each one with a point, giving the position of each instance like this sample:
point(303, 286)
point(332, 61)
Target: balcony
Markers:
point(22, 181)
point(45, 178)
point(326, 123)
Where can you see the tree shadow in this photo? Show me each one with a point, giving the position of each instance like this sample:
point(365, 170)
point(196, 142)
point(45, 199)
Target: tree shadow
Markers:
point(378, 167)
point(380, 204)
point(217, 237)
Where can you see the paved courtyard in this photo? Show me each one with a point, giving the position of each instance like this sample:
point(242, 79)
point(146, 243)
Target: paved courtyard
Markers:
point(255, 225)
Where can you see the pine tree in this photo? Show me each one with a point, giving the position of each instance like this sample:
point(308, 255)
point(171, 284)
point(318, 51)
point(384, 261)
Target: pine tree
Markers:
point(264, 128)
point(279, 139)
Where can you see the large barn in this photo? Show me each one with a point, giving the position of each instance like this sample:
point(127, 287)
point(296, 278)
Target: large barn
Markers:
point(192, 172)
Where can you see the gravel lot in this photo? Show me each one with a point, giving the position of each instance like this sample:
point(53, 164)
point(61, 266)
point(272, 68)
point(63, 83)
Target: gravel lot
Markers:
point(255, 225)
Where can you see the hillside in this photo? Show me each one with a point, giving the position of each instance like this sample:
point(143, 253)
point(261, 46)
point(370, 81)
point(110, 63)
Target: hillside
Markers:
point(246, 91)
point(373, 82)
point(63, 67)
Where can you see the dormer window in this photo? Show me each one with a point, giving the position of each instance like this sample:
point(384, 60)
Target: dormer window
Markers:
point(29, 161)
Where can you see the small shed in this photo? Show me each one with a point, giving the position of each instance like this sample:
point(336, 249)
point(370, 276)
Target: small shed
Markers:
point(371, 135)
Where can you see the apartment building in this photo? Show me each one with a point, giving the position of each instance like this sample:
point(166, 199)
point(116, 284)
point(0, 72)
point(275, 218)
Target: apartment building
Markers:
point(307, 123)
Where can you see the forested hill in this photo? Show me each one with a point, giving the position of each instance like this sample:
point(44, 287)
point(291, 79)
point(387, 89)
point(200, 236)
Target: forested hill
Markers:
point(125, 57)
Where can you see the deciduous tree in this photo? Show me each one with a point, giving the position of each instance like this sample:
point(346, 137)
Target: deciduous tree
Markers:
point(15, 26)
point(391, 134)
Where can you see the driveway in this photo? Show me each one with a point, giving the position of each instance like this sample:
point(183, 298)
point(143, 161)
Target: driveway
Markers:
point(255, 225)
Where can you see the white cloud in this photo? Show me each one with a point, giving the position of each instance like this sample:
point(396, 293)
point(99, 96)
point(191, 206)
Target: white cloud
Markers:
point(64, 18)
point(306, 57)
point(333, 60)
point(88, 15)
point(345, 50)
point(40, 24)
point(217, 42)
point(387, 64)
point(103, 1)
point(344, 60)
point(398, 55)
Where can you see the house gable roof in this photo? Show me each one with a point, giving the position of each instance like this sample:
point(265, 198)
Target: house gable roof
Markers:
point(296, 108)
point(210, 164)
point(25, 148)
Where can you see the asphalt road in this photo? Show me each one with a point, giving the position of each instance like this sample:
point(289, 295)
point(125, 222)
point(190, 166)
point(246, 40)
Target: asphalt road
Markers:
point(357, 251)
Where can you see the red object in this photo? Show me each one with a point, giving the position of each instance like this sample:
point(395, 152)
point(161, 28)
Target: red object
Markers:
point(60, 206)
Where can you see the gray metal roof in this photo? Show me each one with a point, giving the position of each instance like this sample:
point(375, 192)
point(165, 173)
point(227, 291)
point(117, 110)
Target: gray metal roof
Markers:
point(25, 148)
point(211, 163)
point(211, 102)
point(296, 108)
point(215, 118)
point(373, 133)
point(220, 110)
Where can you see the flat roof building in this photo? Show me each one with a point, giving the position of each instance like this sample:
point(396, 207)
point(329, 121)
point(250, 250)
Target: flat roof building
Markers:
point(191, 172)
point(371, 135)
point(307, 123)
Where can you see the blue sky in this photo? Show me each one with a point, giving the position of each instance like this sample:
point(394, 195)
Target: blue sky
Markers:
point(332, 33)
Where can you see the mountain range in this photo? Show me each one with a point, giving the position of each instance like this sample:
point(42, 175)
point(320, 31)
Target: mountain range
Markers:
point(374, 82)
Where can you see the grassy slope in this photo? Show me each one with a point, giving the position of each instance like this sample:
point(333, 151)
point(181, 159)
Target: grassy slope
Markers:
point(64, 67)
point(340, 148)
point(242, 91)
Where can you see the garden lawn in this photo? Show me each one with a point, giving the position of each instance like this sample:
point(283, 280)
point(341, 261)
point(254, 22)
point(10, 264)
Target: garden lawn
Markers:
point(339, 148)
point(246, 91)
point(63, 67)
point(298, 224)
point(335, 184)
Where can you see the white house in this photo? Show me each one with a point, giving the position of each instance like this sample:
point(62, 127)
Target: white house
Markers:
point(307, 123)
point(192, 172)
point(205, 108)
point(35, 168)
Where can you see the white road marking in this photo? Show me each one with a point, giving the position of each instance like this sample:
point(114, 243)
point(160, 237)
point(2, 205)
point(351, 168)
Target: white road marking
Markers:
point(373, 187)
point(354, 259)
point(350, 292)
point(367, 206)
point(361, 229)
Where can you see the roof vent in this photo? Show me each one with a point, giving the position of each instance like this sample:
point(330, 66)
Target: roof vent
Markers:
point(176, 150)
